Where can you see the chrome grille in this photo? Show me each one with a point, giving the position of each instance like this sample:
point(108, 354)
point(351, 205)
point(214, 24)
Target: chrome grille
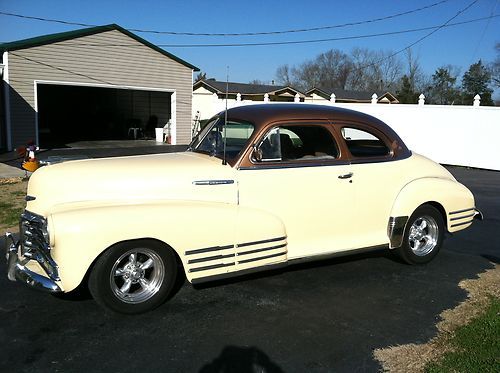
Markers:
point(34, 239)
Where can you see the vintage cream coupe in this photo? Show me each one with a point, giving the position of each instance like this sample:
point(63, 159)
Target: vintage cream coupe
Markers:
point(260, 186)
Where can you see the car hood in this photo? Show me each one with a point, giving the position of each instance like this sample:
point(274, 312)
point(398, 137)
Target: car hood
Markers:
point(130, 180)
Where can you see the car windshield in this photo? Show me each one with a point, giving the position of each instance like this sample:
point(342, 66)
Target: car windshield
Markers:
point(211, 139)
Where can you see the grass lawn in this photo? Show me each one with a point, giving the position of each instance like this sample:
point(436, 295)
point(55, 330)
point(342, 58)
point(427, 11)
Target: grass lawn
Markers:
point(468, 338)
point(12, 203)
point(475, 346)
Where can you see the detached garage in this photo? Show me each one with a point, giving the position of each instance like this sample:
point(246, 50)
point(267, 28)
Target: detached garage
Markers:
point(99, 83)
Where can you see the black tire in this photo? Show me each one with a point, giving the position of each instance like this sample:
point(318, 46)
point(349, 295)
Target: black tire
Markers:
point(133, 277)
point(423, 237)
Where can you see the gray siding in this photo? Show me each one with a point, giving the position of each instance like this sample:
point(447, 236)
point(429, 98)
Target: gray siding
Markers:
point(106, 58)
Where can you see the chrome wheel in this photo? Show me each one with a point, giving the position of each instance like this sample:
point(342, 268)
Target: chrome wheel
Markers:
point(137, 275)
point(423, 235)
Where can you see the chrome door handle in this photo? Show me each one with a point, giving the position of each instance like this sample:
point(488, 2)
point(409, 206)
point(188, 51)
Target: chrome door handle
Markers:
point(346, 176)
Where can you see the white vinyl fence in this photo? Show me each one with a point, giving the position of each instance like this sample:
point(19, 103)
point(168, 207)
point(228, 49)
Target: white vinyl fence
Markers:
point(448, 134)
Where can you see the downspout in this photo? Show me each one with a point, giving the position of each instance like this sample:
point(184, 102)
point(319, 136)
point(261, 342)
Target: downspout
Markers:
point(6, 87)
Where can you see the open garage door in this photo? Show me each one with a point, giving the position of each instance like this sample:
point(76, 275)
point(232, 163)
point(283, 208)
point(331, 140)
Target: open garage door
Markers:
point(70, 113)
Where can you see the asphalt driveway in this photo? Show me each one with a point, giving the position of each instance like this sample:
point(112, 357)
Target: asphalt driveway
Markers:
point(319, 317)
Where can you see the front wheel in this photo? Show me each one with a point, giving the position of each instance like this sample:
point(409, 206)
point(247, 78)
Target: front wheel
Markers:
point(133, 277)
point(423, 236)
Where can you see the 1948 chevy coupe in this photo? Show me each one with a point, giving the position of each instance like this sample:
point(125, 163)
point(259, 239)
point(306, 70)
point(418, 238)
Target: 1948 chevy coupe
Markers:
point(260, 186)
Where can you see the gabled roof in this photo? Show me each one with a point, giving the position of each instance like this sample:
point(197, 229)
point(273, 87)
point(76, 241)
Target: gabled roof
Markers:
point(243, 88)
point(342, 94)
point(69, 35)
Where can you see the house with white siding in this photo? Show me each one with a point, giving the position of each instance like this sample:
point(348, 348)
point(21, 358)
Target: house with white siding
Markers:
point(339, 95)
point(91, 84)
point(210, 94)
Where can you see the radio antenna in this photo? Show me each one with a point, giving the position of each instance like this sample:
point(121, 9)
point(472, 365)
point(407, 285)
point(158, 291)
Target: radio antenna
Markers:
point(224, 162)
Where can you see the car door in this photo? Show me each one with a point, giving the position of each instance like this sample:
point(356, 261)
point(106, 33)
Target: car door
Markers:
point(298, 174)
point(378, 180)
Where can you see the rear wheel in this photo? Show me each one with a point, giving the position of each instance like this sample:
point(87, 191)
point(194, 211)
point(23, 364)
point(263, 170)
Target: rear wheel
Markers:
point(133, 277)
point(423, 236)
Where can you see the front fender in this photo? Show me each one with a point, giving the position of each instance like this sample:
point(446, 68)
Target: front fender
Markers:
point(79, 236)
point(447, 193)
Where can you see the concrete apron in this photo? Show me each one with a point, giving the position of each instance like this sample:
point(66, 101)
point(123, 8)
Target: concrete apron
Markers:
point(7, 172)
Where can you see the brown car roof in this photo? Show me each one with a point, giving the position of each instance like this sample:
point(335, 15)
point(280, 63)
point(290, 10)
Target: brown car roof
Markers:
point(262, 114)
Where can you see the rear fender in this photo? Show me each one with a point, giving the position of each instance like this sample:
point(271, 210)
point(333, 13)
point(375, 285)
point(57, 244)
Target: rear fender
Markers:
point(447, 195)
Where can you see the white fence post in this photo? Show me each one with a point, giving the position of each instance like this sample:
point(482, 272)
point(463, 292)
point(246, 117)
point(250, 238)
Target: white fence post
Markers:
point(332, 97)
point(374, 98)
point(421, 99)
point(238, 97)
point(477, 101)
point(266, 97)
point(297, 98)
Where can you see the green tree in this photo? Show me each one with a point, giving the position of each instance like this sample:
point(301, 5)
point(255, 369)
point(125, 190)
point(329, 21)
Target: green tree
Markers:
point(443, 88)
point(406, 94)
point(475, 81)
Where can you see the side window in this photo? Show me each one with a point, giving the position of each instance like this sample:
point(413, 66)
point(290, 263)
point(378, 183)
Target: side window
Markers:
point(364, 144)
point(297, 143)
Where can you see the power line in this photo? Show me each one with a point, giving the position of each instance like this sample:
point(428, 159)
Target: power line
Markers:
point(293, 41)
point(420, 39)
point(435, 29)
point(493, 9)
point(178, 33)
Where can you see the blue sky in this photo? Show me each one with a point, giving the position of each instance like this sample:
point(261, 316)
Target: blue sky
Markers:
point(459, 45)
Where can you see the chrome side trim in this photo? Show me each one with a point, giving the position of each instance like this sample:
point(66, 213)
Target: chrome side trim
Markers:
point(214, 266)
point(262, 257)
point(222, 276)
point(463, 217)
point(334, 163)
point(287, 263)
point(396, 230)
point(213, 182)
point(209, 258)
point(208, 249)
point(260, 250)
point(459, 211)
point(262, 241)
point(459, 224)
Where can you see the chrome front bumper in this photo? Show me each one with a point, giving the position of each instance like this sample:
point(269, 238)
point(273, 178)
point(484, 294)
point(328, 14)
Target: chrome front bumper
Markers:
point(17, 271)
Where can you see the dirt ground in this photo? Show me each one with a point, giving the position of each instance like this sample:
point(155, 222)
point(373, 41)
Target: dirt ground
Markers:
point(12, 202)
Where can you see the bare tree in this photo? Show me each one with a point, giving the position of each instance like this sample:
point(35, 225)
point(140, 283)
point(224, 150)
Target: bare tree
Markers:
point(329, 69)
point(256, 82)
point(391, 69)
point(200, 76)
point(495, 68)
point(416, 76)
point(361, 70)
point(283, 75)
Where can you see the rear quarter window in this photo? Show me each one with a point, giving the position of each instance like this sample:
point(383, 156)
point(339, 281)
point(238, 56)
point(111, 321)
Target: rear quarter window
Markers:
point(364, 144)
